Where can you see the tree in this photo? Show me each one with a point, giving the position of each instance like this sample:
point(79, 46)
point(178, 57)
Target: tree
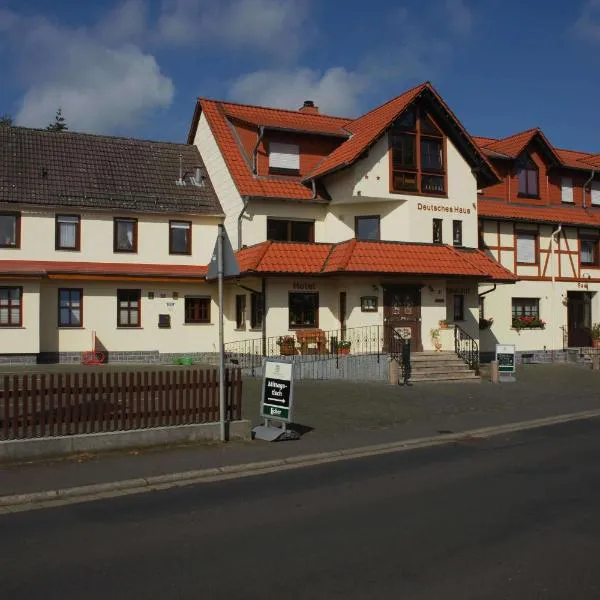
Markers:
point(6, 121)
point(59, 122)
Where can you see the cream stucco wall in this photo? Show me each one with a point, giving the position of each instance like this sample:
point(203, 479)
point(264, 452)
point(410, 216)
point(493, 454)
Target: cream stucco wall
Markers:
point(97, 235)
point(219, 174)
point(25, 339)
point(100, 315)
point(364, 188)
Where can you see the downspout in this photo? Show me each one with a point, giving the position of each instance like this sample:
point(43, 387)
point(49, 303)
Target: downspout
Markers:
point(487, 292)
point(313, 185)
point(261, 133)
point(239, 221)
point(586, 184)
point(552, 243)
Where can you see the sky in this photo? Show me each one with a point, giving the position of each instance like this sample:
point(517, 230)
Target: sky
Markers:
point(136, 67)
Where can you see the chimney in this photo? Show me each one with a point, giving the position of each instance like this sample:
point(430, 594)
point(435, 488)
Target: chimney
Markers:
point(309, 107)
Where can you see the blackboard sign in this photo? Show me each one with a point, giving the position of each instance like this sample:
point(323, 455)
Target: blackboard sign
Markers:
point(505, 355)
point(277, 393)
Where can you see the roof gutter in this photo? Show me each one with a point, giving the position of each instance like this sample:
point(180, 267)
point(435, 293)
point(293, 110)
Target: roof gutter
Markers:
point(261, 134)
point(245, 200)
point(586, 184)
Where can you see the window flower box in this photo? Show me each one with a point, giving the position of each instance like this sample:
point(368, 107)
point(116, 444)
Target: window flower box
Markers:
point(528, 323)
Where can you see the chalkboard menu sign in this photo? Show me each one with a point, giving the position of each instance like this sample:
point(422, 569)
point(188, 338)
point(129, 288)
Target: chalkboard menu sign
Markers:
point(505, 355)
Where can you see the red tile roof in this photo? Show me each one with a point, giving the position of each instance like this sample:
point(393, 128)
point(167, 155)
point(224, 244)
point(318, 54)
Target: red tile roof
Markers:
point(513, 145)
point(354, 256)
point(286, 119)
point(48, 267)
point(571, 215)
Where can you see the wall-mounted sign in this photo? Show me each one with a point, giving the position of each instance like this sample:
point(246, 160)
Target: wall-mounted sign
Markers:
point(444, 208)
point(277, 392)
point(303, 285)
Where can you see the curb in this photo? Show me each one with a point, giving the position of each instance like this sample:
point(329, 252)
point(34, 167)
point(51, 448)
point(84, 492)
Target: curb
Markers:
point(20, 502)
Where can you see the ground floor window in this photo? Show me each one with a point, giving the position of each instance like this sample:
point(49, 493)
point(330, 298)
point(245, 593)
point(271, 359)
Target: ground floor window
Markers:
point(256, 311)
point(526, 313)
point(303, 310)
point(11, 307)
point(70, 307)
point(129, 308)
point(240, 311)
point(197, 309)
point(458, 307)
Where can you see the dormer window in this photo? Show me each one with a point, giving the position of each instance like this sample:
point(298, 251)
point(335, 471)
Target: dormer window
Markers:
point(417, 155)
point(527, 174)
point(284, 158)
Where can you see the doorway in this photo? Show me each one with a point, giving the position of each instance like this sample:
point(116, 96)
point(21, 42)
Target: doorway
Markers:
point(579, 319)
point(342, 312)
point(402, 309)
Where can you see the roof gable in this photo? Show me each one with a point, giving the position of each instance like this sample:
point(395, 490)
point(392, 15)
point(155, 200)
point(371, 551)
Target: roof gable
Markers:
point(513, 145)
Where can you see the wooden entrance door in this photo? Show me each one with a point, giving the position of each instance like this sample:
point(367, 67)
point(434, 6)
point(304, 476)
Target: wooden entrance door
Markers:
point(579, 319)
point(402, 308)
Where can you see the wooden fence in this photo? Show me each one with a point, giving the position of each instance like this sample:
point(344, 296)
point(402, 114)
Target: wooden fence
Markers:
point(57, 404)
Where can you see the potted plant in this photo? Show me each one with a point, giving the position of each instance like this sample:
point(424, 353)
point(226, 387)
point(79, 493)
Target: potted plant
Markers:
point(485, 323)
point(528, 323)
point(595, 331)
point(443, 324)
point(287, 345)
point(343, 347)
point(435, 339)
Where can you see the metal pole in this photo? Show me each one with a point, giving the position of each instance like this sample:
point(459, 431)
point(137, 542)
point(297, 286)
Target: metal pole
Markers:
point(221, 337)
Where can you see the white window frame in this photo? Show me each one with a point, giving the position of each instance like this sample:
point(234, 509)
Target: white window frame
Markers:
point(595, 193)
point(566, 189)
point(526, 246)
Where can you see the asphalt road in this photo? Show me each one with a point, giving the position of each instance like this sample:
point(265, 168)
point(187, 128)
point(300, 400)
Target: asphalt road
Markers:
point(511, 517)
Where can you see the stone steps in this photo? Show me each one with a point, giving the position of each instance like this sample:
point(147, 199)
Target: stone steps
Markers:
point(440, 367)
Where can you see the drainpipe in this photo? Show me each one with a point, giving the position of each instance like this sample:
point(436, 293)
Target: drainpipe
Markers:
point(586, 184)
point(313, 185)
point(261, 133)
point(552, 244)
point(239, 221)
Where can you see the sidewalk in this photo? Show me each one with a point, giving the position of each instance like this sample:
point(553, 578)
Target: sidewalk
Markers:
point(336, 415)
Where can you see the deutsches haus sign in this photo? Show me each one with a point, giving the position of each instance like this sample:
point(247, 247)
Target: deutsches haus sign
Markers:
point(277, 394)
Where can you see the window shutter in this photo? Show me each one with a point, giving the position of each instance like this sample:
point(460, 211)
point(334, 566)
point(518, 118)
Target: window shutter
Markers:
point(566, 185)
point(526, 247)
point(596, 192)
point(284, 156)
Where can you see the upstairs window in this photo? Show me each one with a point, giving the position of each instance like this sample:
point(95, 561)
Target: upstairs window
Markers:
point(417, 154)
point(10, 230)
point(526, 247)
point(595, 193)
point(366, 228)
point(284, 230)
point(566, 189)
point(125, 235)
point(437, 231)
point(68, 232)
point(589, 252)
point(284, 158)
point(527, 174)
point(180, 237)
point(457, 233)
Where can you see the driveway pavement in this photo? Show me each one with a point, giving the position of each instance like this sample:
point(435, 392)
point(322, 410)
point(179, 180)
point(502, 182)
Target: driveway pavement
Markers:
point(333, 415)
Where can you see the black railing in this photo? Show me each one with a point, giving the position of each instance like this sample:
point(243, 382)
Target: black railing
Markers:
point(399, 350)
point(466, 348)
point(310, 344)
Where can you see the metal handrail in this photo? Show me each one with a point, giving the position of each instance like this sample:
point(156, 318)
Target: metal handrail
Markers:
point(399, 350)
point(466, 348)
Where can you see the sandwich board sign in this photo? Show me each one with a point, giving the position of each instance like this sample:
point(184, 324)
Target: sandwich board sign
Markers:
point(277, 397)
point(505, 356)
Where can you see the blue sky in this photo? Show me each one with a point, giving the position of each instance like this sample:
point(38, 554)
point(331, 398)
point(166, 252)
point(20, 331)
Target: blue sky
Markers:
point(135, 67)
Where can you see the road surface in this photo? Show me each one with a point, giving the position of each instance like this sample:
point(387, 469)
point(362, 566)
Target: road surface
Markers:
point(510, 517)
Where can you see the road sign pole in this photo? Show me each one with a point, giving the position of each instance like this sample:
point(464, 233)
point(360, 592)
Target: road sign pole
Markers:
point(221, 336)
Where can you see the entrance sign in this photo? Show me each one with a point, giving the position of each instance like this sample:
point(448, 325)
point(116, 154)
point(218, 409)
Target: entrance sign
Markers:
point(505, 356)
point(277, 392)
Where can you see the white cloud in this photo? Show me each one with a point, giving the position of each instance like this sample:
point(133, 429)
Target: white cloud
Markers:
point(276, 26)
point(587, 26)
point(127, 22)
point(460, 17)
point(101, 85)
point(335, 91)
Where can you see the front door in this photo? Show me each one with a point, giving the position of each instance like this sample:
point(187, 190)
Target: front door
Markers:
point(402, 309)
point(579, 319)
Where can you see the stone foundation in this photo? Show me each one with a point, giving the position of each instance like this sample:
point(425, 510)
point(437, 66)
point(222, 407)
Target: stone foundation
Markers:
point(114, 357)
point(18, 359)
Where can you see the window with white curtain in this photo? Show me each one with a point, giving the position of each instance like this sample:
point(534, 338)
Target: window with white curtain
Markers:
point(566, 188)
point(67, 232)
point(125, 239)
point(526, 247)
point(588, 252)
